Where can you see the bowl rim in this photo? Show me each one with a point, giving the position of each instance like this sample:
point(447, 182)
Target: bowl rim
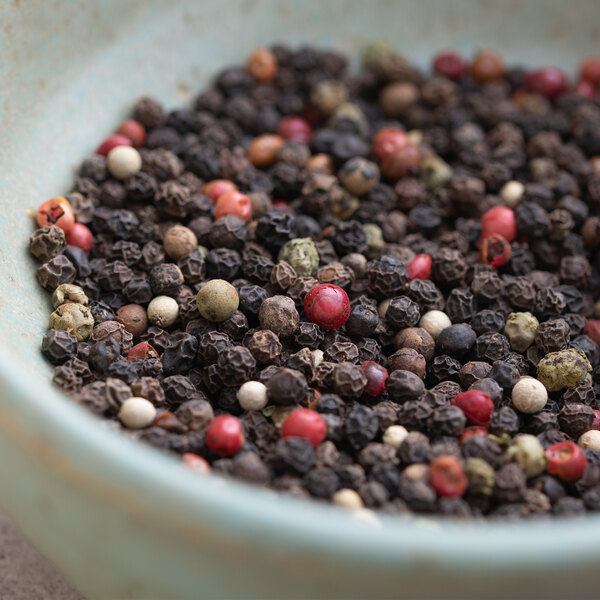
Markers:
point(258, 515)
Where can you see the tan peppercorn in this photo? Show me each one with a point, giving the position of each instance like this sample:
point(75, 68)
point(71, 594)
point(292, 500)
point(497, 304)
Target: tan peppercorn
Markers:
point(283, 275)
point(263, 149)
point(408, 359)
point(359, 175)
point(134, 318)
point(262, 65)
point(74, 318)
point(418, 339)
point(279, 314)
point(67, 292)
point(487, 66)
point(320, 162)
point(179, 241)
point(396, 98)
point(327, 95)
point(217, 300)
point(347, 498)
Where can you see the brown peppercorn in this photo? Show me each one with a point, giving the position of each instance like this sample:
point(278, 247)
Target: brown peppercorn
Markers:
point(47, 242)
point(396, 98)
point(263, 149)
point(283, 275)
point(57, 270)
point(348, 380)
point(320, 162)
point(149, 388)
point(287, 387)
point(195, 415)
point(134, 318)
point(359, 176)
point(279, 314)
point(179, 241)
point(576, 418)
point(408, 359)
point(418, 339)
point(113, 330)
point(262, 65)
point(265, 346)
point(487, 66)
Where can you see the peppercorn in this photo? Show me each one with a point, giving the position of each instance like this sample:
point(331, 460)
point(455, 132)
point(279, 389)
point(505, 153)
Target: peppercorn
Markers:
point(301, 255)
point(520, 329)
point(566, 368)
point(279, 314)
point(217, 300)
point(456, 340)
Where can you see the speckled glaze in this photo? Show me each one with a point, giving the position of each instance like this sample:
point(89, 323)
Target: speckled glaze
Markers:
point(122, 520)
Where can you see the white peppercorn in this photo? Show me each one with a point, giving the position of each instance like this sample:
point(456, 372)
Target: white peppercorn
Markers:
point(317, 357)
point(511, 192)
point(347, 498)
point(529, 395)
point(252, 395)
point(434, 322)
point(123, 162)
point(590, 440)
point(137, 413)
point(163, 311)
point(394, 435)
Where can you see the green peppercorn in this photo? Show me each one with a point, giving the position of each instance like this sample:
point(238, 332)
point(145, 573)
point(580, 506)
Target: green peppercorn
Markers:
point(527, 451)
point(520, 330)
point(302, 254)
point(566, 368)
point(349, 117)
point(217, 300)
point(74, 318)
point(375, 241)
point(480, 475)
point(435, 173)
point(327, 95)
point(374, 52)
point(67, 292)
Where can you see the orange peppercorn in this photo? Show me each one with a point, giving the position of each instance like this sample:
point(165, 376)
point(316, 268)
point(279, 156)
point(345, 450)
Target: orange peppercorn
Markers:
point(262, 65)
point(487, 66)
point(263, 149)
point(234, 203)
point(320, 162)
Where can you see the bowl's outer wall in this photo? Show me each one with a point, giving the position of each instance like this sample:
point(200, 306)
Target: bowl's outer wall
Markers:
point(120, 519)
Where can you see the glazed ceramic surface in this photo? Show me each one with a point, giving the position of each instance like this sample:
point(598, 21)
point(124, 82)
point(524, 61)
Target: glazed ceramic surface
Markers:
point(122, 520)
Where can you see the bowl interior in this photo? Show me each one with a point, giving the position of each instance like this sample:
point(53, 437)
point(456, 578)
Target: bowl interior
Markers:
point(70, 73)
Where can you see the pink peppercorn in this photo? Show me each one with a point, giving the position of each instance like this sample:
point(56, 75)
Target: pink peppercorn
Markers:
point(327, 305)
point(79, 235)
point(419, 267)
point(449, 64)
point(447, 477)
point(590, 70)
point(295, 128)
point(500, 220)
point(112, 141)
point(476, 405)
point(548, 82)
point(134, 131)
point(566, 460)
point(305, 423)
point(377, 377)
point(225, 435)
point(387, 141)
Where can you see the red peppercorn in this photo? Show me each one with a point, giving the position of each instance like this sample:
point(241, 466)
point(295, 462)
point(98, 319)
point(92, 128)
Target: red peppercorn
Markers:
point(79, 235)
point(477, 406)
point(566, 460)
point(471, 431)
point(377, 377)
point(142, 350)
point(447, 477)
point(196, 463)
point(494, 250)
point(112, 141)
point(295, 128)
point(134, 131)
point(217, 187)
point(499, 219)
point(56, 211)
point(586, 88)
point(449, 64)
point(592, 328)
point(327, 305)
point(305, 423)
point(401, 162)
point(590, 70)
point(225, 435)
point(234, 203)
point(548, 82)
point(419, 267)
point(387, 140)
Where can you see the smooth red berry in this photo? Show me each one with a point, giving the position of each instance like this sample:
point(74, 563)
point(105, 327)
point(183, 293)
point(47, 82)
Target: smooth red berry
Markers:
point(79, 235)
point(586, 88)
point(142, 350)
point(112, 141)
point(387, 140)
point(56, 211)
point(401, 163)
point(217, 187)
point(305, 423)
point(477, 406)
point(592, 329)
point(471, 431)
point(295, 128)
point(548, 82)
point(566, 460)
point(233, 203)
point(196, 463)
point(225, 435)
point(449, 64)
point(134, 131)
point(590, 70)
point(447, 476)
point(494, 250)
point(377, 377)
point(500, 220)
point(419, 267)
point(327, 305)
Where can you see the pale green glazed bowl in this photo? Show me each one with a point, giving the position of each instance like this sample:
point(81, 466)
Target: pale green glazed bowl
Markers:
point(122, 520)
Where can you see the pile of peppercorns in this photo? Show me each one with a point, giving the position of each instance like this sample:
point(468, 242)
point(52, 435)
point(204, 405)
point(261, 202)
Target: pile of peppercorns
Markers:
point(374, 289)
